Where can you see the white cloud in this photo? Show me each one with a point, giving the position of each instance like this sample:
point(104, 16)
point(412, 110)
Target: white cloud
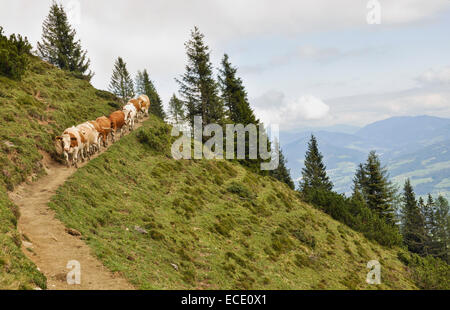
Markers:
point(273, 107)
point(307, 107)
point(406, 11)
point(440, 76)
point(364, 109)
point(151, 33)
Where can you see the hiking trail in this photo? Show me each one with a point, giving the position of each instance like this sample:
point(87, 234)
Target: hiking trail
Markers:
point(47, 242)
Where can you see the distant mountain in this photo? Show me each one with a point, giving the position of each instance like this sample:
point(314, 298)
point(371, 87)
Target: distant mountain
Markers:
point(407, 134)
point(416, 147)
point(291, 136)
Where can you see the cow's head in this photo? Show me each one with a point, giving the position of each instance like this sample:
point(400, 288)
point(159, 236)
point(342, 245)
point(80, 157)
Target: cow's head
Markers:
point(66, 141)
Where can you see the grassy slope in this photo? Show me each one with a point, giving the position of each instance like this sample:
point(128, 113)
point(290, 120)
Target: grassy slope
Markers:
point(210, 224)
point(32, 112)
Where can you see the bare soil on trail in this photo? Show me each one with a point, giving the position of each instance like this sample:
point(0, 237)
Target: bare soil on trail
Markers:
point(46, 240)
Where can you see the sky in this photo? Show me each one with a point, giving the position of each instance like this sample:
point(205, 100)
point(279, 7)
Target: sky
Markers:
point(304, 63)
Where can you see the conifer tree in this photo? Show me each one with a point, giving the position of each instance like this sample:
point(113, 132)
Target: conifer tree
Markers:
point(282, 173)
point(314, 175)
point(427, 210)
point(121, 83)
point(14, 52)
point(442, 229)
point(238, 110)
point(359, 182)
point(378, 191)
point(234, 95)
point(176, 109)
point(413, 224)
point(59, 46)
point(198, 88)
point(144, 85)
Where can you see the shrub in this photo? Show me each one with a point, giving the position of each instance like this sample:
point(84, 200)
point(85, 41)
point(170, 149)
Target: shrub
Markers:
point(240, 189)
point(428, 272)
point(355, 215)
point(13, 55)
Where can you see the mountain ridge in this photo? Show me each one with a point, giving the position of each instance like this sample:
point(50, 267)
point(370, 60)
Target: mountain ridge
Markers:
point(397, 140)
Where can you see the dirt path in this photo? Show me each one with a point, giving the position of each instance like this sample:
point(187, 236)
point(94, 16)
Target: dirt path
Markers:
point(46, 241)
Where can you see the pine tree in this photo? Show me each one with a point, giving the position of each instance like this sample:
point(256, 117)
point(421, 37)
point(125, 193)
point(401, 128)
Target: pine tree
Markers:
point(14, 55)
point(59, 46)
point(314, 175)
point(378, 191)
point(121, 83)
point(359, 182)
point(176, 109)
point(422, 209)
point(234, 95)
point(413, 224)
point(282, 173)
point(198, 88)
point(427, 210)
point(238, 111)
point(442, 229)
point(144, 85)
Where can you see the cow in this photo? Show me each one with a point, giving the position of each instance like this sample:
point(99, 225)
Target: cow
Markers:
point(130, 115)
point(104, 128)
point(70, 143)
point(117, 121)
point(91, 135)
point(137, 105)
point(99, 131)
point(145, 104)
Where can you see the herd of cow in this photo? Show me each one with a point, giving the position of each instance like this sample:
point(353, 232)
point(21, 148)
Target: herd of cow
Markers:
point(84, 140)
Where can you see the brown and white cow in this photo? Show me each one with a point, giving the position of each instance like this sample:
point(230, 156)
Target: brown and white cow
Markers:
point(145, 103)
point(117, 122)
point(130, 115)
point(137, 105)
point(91, 135)
point(99, 130)
point(103, 126)
point(70, 143)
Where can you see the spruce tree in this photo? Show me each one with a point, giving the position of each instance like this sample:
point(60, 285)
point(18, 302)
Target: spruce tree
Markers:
point(14, 55)
point(442, 229)
point(282, 173)
point(426, 240)
point(238, 111)
point(314, 175)
point(198, 88)
point(359, 182)
point(59, 46)
point(176, 110)
point(413, 223)
point(427, 210)
point(378, 191)
point(121, 83)
point(234, 95)
point(144, 85)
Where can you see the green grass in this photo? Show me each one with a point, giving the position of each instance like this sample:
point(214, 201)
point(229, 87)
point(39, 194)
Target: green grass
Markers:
point(32, 112)
point(38, 108)
point(210, 224)
point(172, 224)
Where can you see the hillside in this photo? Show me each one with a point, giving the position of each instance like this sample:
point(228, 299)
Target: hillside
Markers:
point(161, 223)
point(32, 112)
point(188, 224)
point(415, 147)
